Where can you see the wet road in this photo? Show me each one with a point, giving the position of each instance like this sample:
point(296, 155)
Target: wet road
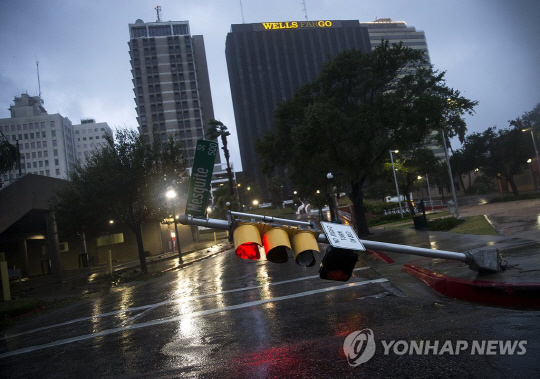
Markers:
point(231, 318)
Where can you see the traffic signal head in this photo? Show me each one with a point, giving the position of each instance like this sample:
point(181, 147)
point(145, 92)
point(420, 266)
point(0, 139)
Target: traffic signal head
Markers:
point(247, 240)
point(277, 245)
point(304, 244)
point(337, 264)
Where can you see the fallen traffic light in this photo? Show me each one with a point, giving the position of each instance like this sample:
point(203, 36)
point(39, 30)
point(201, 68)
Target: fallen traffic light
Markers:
point(337, 264)
point(278, 241)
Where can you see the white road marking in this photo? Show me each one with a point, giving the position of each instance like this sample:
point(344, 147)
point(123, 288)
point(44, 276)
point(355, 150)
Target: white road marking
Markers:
point(155, 305)
point(194, 314)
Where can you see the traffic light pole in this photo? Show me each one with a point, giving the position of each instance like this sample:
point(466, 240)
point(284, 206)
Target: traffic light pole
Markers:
point(482, 260)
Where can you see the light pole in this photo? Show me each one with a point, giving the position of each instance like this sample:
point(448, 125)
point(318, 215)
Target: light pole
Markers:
point(395, 180)
point(333, 211)
point(171, 194)
point(450, 175)
point(535, 151)
point(429, 192)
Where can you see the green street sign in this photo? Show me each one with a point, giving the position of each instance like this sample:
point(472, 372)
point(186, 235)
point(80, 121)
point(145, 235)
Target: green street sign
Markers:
point(201, 175)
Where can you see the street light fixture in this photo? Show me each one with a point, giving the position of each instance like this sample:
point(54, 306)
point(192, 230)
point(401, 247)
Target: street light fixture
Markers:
point(171, 195)
point(395, 180)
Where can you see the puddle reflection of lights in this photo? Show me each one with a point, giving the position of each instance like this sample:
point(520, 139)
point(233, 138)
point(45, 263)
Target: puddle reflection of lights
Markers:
point(538, 221)
point(265, 291)
point(433, 245)
point(92, 277)
point(218, 272)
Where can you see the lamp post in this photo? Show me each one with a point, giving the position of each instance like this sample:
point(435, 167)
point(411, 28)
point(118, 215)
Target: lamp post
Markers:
point(450, 175)
point(171, 194)
point(395, 180)
point(429, 192)
point(332, 202)
point(535, 150)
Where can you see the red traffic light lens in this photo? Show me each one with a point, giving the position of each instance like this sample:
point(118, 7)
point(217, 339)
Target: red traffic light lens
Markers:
point(248, 250)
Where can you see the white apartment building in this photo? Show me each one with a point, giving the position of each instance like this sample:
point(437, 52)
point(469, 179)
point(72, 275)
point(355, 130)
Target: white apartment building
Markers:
point(89, 138)
point(45, 140)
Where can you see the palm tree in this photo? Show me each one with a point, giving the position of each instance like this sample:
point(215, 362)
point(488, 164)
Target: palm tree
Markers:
point(215, 130)
point(9, 155)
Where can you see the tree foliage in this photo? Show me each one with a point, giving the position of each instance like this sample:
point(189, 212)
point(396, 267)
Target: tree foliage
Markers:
point(126, 182)
point(358, 108)
point(9, 155)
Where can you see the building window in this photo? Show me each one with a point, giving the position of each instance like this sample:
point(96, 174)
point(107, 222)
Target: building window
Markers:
point(55, 152)
point(55, 162)
point(58, 172)
point(52, 124)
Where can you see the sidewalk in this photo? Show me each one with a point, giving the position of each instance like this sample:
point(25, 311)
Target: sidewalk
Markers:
point(85, 281)
point(518, 224)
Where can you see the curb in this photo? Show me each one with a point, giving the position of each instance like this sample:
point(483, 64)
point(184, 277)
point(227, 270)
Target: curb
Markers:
point(380, 256)
point(479, 291)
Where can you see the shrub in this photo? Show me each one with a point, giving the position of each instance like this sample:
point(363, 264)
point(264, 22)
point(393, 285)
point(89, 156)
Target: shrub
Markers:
point(444, 224)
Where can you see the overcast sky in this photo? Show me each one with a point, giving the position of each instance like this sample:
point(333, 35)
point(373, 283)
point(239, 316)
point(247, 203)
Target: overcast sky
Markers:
point(490, 49)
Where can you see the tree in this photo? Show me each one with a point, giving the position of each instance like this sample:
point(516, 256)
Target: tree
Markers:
point(358, 108)
point(9, 155)
point(217, 129)
point(125, 181)
point(506, 154)
point(415, 163)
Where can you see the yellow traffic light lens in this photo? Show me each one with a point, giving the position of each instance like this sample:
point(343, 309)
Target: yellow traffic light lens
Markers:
point(247, 241)
point(276, 245)
point(304, 244)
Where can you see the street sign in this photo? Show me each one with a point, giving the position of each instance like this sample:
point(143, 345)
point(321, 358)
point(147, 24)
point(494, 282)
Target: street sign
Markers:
point(342, 236)
point(201, 175)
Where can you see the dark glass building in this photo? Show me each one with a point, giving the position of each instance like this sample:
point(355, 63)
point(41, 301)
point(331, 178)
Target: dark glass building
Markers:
point(268, 61)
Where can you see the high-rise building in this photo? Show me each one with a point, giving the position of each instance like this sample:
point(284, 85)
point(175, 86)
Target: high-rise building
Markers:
point(171, 82)
point(268, 61)
point(396, 32)
point(90, 137)
point(45, 140)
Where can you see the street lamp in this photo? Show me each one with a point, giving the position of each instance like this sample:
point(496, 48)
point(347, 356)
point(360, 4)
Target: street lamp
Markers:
point(333, 206)
point(171, 195)
point(535, 149)
point(428, 191)
point(450, 175)
point(395, 180)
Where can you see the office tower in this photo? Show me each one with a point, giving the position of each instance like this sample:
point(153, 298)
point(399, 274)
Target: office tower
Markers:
point(45, 140)
point(90, 137)
point(268, 61)
point(171, 83)
point(396, 32)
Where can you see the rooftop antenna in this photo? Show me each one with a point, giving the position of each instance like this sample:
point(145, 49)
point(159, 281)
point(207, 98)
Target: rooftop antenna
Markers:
point(158, 12)
point(305, 8)
point(242, 10)
point(39, 82)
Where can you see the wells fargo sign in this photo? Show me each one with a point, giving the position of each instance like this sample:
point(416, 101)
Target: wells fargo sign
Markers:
point(296, 25)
